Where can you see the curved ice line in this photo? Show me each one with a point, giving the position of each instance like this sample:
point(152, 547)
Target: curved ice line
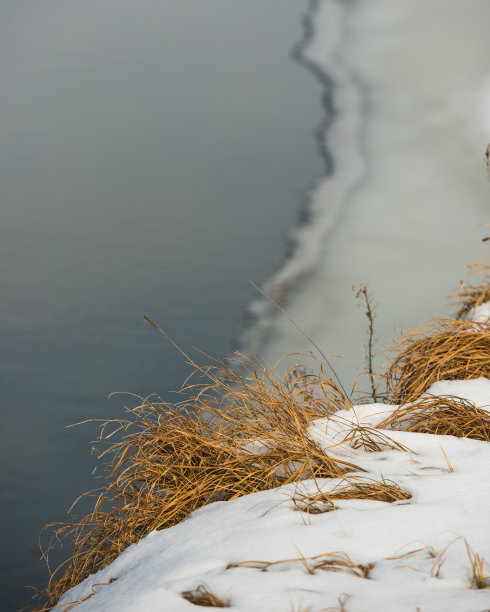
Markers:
point(340, 131)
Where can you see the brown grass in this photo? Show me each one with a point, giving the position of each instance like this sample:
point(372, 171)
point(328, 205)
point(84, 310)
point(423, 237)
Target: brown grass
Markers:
point(479, 567)
point(333, 562)
point(234, 434)
point(360, 488)
point(202, 596)
point(366, 439)
point(442, 349)
point(470, 296)
point(445, 416)
point(313, 503)
point(382, 490)
point(244, 430)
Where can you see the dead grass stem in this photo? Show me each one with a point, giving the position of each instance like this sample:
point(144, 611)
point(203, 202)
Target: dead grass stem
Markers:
point(332, 561)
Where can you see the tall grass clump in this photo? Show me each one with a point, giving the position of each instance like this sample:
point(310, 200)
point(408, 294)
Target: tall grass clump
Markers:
point(238, 431)
point(445, 349)
point(439, 415)
point(442, 349)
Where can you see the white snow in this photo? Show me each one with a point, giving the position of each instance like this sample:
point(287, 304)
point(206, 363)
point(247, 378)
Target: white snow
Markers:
point(418, 547)
point(481, 314)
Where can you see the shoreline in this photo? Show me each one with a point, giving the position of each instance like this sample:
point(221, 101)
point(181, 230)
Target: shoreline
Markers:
point(299, 533)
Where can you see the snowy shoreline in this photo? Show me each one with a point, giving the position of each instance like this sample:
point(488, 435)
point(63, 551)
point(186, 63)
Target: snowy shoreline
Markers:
point(290, 549)
point(417, 547)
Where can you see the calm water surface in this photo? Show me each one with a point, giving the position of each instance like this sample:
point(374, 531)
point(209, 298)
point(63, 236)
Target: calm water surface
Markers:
point(152, 156)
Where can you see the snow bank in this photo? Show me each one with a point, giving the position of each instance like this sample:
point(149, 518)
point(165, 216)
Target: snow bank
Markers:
point(481, 314)
point(420, 549)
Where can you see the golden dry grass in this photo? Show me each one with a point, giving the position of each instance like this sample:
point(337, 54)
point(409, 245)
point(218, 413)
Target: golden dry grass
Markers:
point(470, 296)
point(364, 438)
point(358, 488)
point(480, 570)
point(446, 416)
point(382, 490)
point(332, 561)
point(202, 596)
point(441, 349)
point(232, 435)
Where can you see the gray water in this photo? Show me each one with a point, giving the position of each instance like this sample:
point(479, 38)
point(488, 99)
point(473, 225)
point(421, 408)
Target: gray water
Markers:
point(152, 156)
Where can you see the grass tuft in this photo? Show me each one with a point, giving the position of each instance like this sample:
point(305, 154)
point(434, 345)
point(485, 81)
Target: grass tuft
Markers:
point(202, 596)
point(441, 415)
point(478, 567)
point(232, 435)
point(361, 488)
point(382, 490)
point(442, 349)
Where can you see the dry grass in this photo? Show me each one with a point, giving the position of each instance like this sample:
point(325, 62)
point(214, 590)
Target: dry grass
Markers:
point(381, 490)
point(364, 438)
point(313, 503)
point(478, 565)
point(445, 416)
point(332, 562)
point(442, 349)
point(341, 607)
point(360, 488)
point(244, 430)
point(478, 568)
point(202, 596)
point(232, 435)
point(470, 296)
point(429, 550)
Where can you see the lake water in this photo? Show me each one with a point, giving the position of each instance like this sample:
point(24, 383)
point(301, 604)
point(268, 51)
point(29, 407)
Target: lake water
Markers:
point(153, 155)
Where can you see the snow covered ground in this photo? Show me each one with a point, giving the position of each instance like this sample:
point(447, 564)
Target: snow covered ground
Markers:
point(413, 554)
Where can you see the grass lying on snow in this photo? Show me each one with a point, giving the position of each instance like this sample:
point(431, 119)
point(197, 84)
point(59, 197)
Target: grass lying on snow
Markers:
point(360, 488)
point(445, 416)
point(332, 562)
